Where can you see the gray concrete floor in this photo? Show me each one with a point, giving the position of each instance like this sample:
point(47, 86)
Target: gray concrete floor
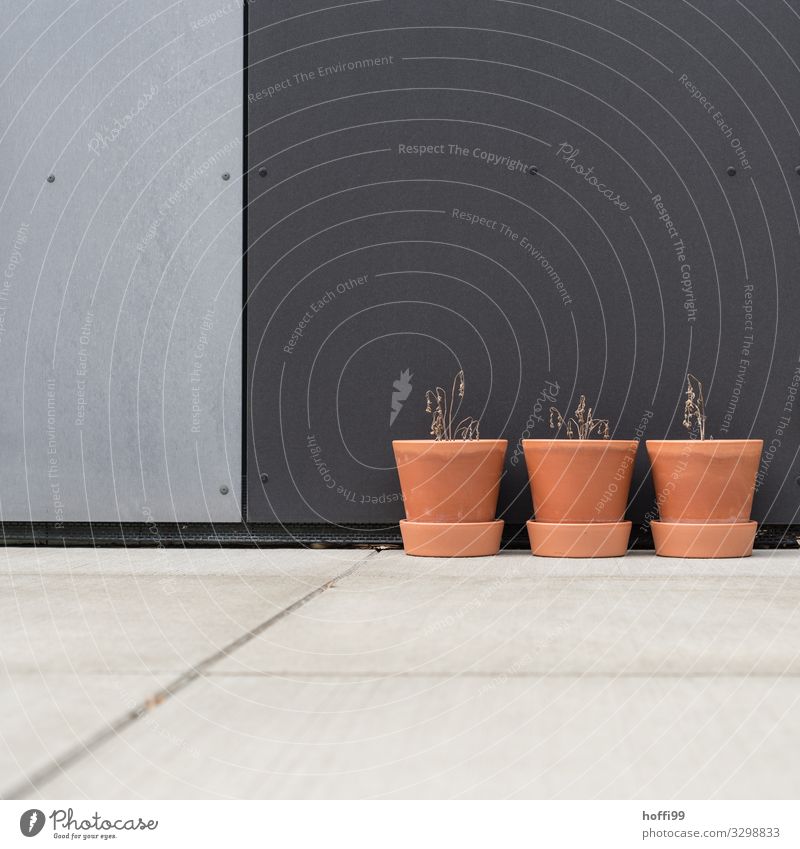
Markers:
point(342, 674)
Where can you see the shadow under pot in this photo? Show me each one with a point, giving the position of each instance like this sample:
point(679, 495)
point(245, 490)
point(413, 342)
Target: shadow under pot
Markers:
point(580, 491)
point(704, 492)
point(450, 491)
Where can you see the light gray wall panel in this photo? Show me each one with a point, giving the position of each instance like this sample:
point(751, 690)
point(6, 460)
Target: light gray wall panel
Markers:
point(120, 296)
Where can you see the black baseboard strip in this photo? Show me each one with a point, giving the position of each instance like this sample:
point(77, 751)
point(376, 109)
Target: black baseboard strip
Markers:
point(240, 535)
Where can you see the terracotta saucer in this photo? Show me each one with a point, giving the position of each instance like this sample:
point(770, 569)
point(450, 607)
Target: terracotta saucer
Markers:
point(579, 539)
point(451, 539)
point(691, 539)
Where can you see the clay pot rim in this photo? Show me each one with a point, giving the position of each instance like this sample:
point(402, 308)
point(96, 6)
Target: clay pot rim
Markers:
point(674, 523)
point(432, 442)
point(492, 522)
point(592, 525)
point(703, 441)
point(580, 442)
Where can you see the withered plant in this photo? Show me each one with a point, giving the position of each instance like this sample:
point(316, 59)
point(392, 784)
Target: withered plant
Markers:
point(445, 424)
point(694, 410)
point(582, 425)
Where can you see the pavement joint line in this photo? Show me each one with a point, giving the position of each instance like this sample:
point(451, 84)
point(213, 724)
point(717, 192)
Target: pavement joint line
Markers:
point(374, 677)
point(81, 750)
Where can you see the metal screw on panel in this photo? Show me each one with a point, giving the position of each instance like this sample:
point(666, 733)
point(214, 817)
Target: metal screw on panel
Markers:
point(224, 489)
point(265, 478)
point(262, 172)
point(797, 170)
point(226, 176)
point(51, 178)
point(731, 171)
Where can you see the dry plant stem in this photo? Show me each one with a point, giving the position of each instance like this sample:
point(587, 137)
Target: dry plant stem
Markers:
point(694, 411)
point(583, 423)
point(444, 410)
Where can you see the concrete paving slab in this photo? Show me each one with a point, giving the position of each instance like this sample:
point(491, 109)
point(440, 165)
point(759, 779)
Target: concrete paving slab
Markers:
point(143, 623)
point(507, 676)
point(761, 564)
point(396, 564)
point(45, 716)
point(473, 736)
point(447, 621)
point(267, 562)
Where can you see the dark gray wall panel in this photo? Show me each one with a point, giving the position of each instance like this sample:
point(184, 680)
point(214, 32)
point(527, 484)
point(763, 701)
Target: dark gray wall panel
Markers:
point(120, 337)
point(679, 265)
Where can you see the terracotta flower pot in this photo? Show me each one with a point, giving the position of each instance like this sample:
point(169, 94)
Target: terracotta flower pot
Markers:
point(450, 493)
point(580, 492)
point(704, 491)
